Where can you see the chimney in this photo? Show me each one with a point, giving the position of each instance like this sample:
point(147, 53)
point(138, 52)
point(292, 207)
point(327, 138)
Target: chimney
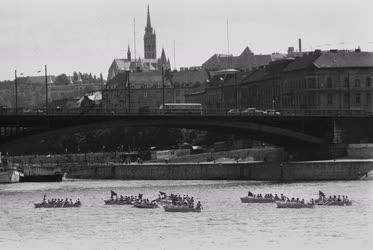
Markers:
point(300, 44)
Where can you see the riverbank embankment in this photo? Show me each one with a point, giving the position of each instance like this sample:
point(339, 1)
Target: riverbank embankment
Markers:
point(290, 171)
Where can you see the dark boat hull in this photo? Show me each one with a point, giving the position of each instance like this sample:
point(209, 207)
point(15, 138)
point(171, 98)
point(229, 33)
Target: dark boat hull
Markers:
point(42, 178)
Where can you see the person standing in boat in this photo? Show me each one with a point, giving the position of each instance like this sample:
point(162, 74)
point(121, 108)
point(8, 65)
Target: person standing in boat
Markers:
point(199, 205)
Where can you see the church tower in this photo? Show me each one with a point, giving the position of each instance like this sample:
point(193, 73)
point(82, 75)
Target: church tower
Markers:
point(150, 47)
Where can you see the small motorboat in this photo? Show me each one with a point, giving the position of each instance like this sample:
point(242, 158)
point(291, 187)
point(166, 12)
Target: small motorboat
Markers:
point(250, 199)
point(118, 202)
point(182, 209)
point(294, 205)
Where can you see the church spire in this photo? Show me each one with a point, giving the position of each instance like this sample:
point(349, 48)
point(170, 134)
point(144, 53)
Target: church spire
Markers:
point(148, 23)
point(129, 53)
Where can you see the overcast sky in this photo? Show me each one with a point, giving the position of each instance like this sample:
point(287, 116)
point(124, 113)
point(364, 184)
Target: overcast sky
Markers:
point(86, 35)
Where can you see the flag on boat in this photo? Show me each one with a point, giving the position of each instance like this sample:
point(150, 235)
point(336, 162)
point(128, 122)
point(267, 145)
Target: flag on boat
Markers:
point(113, 193)
point(321, 194)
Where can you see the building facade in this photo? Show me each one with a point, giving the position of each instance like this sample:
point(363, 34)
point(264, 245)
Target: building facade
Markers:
point(319, 82)
point(143, 91)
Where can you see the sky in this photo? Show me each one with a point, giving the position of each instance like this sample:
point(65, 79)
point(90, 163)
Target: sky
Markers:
point(86, 35)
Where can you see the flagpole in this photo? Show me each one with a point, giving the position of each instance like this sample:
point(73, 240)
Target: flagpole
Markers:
point(46, 89)
point(16, 90)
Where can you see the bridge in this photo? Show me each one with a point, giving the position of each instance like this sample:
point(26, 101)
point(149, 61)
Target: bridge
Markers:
point(294, 132)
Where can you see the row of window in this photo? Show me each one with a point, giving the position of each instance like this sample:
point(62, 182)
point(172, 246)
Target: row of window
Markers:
point(347, 100)
point(312, 83)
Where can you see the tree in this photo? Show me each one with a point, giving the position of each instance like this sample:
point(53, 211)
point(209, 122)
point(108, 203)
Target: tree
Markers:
point(75, 76)
point(62, 79)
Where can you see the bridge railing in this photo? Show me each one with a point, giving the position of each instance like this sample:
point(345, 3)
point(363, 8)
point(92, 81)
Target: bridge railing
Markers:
point(205, 112)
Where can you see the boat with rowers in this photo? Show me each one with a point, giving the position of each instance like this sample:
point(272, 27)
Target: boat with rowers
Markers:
point(268, 198)
point(333, 200)
point(58, 203)
point(183, 209)
point(127, 200)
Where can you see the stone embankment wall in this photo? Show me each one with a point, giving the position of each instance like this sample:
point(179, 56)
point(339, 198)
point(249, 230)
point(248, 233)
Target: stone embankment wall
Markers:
point(360, 151)
point(295, 171)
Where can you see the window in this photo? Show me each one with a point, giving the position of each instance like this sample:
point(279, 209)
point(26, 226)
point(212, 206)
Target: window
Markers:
point(346, 83)
point(346, 98)
point(329, 83)
point(357, 83)
point(330, 99)
point(357, 99)
point(369, 82)
point(369, 98)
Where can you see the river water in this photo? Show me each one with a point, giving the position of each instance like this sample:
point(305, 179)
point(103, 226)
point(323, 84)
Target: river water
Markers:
point(225, 223)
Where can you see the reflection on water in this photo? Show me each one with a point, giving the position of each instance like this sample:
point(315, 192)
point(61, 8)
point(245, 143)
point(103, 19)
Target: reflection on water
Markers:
point(225, 223)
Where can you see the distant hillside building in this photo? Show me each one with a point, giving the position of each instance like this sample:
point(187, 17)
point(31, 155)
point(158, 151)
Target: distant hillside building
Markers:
point(149, 63)
point(246, 61)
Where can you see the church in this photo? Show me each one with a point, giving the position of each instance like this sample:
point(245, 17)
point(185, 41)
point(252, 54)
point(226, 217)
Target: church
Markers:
point(150, 62)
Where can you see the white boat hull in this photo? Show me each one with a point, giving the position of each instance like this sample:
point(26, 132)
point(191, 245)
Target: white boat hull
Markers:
point(9, 176)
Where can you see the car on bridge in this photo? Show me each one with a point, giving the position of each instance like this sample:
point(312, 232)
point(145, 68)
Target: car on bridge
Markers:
point(249, 111)
point(181, 108)
point(272, 112)
point(234, 112)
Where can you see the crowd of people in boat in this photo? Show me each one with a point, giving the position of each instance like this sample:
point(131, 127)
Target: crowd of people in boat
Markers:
point(184, 201)
point(130, 199)
point(343, 199)
point(267, 196)
point(60, 202)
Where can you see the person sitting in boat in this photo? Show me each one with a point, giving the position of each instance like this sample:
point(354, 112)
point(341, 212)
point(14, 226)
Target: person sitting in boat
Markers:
point(71, 202)
point(312, 201)
point(45, 198)
point(339, 198)
point(276, 197)
point(297, 200)
point(249, 194)
point(302, 201)
point(121, 198)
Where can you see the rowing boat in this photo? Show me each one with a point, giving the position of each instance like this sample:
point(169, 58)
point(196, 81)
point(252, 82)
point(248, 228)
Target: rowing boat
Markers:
point(118, 202)
point(294, 205)
point(144, 205)
point(248, 199)
point(56, 205)
point(183, 209)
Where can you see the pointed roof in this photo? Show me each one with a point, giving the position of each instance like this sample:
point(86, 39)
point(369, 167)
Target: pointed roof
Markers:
point(247, 51)
point(129, 53)
point(163, 56)
point(148, 23)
